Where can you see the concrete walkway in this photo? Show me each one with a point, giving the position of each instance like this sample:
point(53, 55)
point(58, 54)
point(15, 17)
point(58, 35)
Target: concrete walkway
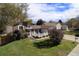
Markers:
point(75, 51)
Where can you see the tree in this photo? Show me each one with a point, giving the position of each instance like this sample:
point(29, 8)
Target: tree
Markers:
point(24, 7)
point(51, 21)
point(60, 21)
point(73, 23)
point(55, 36)
point(40, 22)
point(27, 22)
point(10, 14)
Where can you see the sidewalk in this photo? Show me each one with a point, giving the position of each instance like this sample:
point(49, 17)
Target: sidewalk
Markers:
point(75, 51)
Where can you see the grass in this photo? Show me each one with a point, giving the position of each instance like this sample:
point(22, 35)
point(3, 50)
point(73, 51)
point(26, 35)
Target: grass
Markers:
point(26, 48)
point(69, 32)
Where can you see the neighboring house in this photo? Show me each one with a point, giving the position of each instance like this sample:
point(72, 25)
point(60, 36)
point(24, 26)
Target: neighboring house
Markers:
point(9, 29)
point(65, 27)
point(19, 26)
point(62, 26)
point(58, 26)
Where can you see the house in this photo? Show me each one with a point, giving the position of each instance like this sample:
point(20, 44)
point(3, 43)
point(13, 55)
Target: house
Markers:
point(62, 26)
point(65, 27)
point(58, 26)
point(9, 29)
point(20, 27)
point(37, 31)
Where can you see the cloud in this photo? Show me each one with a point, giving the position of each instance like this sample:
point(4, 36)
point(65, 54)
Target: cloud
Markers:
point(53, 11)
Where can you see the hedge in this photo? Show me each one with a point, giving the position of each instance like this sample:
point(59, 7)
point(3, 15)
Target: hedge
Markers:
point(5, 38)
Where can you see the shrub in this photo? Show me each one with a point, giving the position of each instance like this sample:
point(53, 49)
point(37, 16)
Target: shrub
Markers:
point(44, 44)
point(19, 34)
point(23, 34)
point(16, 35)
point(6, 38)
point(55, 36)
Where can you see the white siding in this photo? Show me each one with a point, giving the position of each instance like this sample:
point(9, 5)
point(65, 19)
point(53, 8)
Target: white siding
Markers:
point(58, 26)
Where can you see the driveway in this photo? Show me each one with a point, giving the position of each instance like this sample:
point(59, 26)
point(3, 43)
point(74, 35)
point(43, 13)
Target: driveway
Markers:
point(70, 37)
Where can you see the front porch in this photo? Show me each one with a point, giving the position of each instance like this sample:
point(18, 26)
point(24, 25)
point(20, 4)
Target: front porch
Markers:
point(37, 32)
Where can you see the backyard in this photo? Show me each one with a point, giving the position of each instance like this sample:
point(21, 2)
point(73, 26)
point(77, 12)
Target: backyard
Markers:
point(25, 47)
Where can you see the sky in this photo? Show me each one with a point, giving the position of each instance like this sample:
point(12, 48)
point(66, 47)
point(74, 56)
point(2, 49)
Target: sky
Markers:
point(53, 11)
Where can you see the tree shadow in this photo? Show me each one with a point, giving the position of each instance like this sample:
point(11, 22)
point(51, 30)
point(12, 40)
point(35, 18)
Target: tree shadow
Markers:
point(45, 44)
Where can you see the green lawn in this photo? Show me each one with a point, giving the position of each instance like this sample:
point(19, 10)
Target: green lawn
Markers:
point(26, 48)
point(69, 32)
